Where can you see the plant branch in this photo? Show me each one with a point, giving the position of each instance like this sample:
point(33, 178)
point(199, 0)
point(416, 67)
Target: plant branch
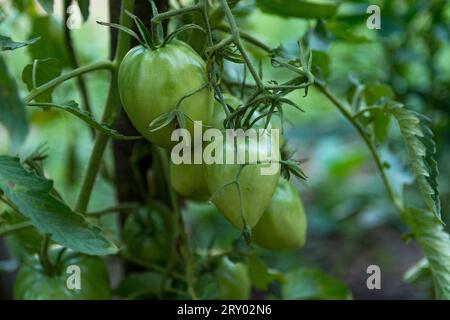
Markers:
point(110, 114)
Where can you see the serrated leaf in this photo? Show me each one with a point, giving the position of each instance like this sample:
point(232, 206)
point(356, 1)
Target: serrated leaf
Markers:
point(7, 44)
point(12, 111)
point(43, 71)
point(297, 8)
point(313, 284)
point(31, 194)
point(72, 107)
point(421, 149)
point(435, 243)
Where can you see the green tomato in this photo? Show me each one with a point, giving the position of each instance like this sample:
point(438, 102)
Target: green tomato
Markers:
point(283, 224)
point(256, 188)
point(152, 82)
point(33, 283)
point(233, 280)
point(145, 236)
point(189, 181)
point(22, 242)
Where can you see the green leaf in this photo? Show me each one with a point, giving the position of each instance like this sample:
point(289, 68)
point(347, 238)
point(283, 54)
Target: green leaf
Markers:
point(313, 284)
point(435, 243)
point(12, 111)
point(421, 149)
point(47, 5)
point(7, 44)
point(298, 8)
point(40, 72)
point(84, 8)
point(261, 275)
point(72, 107)
point(32, 196)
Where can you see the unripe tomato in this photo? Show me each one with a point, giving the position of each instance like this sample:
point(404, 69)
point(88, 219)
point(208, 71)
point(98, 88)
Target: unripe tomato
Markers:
point(152, 82)
point(189, 181)
point(256, 189)
point(34, 283)
point(283, 224)
point(233, 279)
point(145, 236)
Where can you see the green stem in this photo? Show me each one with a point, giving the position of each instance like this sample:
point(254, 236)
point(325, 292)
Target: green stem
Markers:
point(43, 255)
point(72, 74)
point(110, 114)
point(343, 109)
point(186, 249)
